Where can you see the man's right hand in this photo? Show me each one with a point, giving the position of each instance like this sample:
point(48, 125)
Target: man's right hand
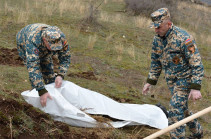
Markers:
point(43, 99)
point(146, 88)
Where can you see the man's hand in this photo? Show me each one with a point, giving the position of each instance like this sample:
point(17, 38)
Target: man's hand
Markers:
point(146, 88)
point(58, 81)
point(43, 99)
point(195, 94)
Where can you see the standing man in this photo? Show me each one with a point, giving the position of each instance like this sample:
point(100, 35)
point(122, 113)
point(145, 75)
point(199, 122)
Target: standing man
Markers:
point(175, 51)
point(36, 44)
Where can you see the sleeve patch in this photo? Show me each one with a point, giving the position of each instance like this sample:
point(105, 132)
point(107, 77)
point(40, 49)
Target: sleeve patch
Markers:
point(65, 42)
point(188, 42)
point(191, 48)
point(190, 45)
point(36, 51)
point(65, 45)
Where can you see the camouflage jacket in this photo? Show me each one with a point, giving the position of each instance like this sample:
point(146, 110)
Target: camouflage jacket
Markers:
point(30, 38)
point(178, 55)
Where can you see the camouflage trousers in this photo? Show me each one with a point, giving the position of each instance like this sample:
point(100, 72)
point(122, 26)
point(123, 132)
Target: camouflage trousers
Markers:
point(178, 108)
point(46, 66)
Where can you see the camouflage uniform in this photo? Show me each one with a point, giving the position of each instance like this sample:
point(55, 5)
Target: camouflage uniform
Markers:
point(38, 58)
point(177, 54)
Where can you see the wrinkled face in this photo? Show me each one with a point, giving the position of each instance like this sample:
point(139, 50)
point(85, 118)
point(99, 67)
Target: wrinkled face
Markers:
point(163, 28)
point(46, 43)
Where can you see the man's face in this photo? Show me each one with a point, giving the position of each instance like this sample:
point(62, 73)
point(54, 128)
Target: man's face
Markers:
point(163, 28)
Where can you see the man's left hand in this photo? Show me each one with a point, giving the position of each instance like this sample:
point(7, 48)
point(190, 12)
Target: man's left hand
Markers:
point(58, 81)
point(195, 94)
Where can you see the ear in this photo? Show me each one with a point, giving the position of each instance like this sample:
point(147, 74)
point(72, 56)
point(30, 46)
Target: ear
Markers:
point(169, 23)
point(44, 39)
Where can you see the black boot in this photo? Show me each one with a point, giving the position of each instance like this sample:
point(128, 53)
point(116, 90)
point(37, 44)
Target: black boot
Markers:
point(200, 136)
point(163, 109)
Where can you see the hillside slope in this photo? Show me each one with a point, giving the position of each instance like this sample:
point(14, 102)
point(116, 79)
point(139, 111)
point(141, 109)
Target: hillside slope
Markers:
point(110, 51)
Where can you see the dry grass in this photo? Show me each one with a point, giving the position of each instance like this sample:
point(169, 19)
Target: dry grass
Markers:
point(63, 6)
point(23, 16)
point(131, 51)
point(106, 1)
point(67, 31)
point(8, 8)
point(203, 8)
point(206, 39)
point(142, 22)
point(77, 6)
point(104, 16)
point(10, 119)
point(118, 0)
point(27, 6)
point(48, 10)
point(110, 37)
point(76, 32)
point(114, 18)
point(92, 41)
point(118, 18)
point(37, 4)
point(195, 15)
point(67, 6)
point(5, 8)
point(119, 50)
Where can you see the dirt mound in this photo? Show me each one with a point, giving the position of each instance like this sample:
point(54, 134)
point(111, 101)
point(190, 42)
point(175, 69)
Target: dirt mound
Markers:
point(10, 57)
point(21, 120)
point(87, 75)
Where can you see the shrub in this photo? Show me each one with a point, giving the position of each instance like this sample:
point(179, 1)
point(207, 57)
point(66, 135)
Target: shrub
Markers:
point(146, 7)
point(91, 19)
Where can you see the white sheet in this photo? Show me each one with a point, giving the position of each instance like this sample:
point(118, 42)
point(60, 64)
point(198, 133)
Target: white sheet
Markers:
point(71, 102)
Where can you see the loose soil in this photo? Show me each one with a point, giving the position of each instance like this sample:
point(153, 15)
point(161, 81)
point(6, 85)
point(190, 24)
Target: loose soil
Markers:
point(10, 57)
point(11, 120)
point(87, 75)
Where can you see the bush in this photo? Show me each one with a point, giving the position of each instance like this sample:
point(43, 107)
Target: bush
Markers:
point(146, 7)
point(91, 19)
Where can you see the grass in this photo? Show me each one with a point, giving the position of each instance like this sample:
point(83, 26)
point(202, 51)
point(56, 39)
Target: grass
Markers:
point(117, 51)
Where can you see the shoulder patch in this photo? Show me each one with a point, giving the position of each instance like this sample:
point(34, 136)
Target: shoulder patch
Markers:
point(190, 45)
point(65, 47)
point(188, 42)
point(191, 48)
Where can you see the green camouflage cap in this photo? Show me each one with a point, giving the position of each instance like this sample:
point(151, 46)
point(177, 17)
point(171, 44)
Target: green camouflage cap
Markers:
point(53, 35)
point(159, 16)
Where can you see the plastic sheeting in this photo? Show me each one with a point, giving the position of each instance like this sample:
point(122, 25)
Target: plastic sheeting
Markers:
point(71, 104)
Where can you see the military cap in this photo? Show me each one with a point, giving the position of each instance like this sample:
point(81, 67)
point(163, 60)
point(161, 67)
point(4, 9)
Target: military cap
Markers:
point(159, 16)
point(53, 35)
